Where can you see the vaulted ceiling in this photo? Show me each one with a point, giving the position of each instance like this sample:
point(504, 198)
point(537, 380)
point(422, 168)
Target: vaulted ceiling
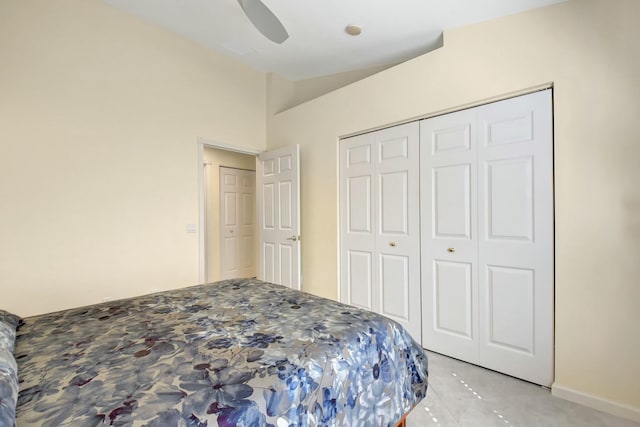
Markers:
point(392, 30)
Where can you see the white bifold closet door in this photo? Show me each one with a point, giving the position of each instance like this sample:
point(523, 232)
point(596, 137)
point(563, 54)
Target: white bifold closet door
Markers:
point(379, 224)
point(487, 236)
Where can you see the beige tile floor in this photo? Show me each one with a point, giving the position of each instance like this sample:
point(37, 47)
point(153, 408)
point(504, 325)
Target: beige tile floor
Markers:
point(464, 395)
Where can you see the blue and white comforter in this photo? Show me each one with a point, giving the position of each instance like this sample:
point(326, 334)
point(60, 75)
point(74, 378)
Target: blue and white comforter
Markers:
point(232, 353)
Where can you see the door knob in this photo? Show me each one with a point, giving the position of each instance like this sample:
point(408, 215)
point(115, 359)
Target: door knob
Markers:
point(294, 238)
point(392, 244)
point(452, 250)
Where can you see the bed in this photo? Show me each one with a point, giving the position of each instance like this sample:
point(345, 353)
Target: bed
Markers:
point(233, 353)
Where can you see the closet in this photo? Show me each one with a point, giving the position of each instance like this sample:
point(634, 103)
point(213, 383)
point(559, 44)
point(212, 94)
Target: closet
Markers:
point(483, 196)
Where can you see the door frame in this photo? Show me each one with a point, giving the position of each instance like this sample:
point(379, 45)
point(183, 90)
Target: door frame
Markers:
point(202, 241)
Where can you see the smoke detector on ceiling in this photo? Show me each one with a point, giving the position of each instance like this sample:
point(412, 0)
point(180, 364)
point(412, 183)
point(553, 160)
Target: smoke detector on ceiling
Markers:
point(353, 30)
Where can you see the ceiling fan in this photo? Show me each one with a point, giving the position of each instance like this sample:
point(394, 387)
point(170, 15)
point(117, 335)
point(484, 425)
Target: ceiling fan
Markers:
point(264, 20)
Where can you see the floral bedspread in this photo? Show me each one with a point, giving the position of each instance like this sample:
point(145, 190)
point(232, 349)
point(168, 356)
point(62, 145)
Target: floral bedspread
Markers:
point(233, 353)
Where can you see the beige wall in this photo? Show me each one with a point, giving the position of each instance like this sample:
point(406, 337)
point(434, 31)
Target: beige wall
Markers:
point(588, 50)
point(99, 119)
point(287, 94)
point(217, 158)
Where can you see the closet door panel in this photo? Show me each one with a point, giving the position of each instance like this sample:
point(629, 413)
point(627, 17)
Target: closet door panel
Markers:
point(394, 203)
point(452, 298)
point(379, 221)
point(511, 309)
point(452, 201)
point(449, 235)
point(359, 206)
point(394, 280)
point(359, 279)
point(509, 199)
point(358, 188)
point(515, 197)
point(398, 229)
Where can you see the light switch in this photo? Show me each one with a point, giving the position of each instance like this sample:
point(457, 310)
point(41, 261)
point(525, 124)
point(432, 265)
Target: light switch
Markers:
point(191, 228)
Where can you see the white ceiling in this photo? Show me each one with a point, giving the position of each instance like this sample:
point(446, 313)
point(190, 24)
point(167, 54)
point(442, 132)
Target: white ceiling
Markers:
point(392, 30)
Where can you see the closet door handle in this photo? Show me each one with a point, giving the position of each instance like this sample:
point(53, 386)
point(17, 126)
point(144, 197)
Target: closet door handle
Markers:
point(392, 244)
point(452, 250)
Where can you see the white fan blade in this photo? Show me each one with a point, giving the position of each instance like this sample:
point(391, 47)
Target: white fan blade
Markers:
point(264, 20)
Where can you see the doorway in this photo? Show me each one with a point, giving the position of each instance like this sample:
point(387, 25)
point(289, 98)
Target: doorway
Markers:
point(277, 186)
point(213, 158)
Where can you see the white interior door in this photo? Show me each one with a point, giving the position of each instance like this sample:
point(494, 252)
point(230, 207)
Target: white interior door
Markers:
point(278, 195)
point(380, 224)
point(487, 208)
point(237, 223)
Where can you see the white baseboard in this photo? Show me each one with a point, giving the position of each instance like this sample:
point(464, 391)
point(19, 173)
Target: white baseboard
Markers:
point(601, 404)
